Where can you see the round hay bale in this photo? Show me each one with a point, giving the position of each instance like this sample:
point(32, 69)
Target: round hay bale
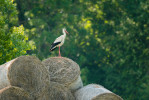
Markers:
point(4, 81)
point(56, 91)
point(14, 93)
point(26, 72)
point(64, 71)
point(95, 92)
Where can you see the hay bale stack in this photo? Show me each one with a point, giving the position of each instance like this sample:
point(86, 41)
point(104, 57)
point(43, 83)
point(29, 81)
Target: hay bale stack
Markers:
point(56, 91)
point(64, 71)
point(26, 72)
point(95, 92)
point(14, 93)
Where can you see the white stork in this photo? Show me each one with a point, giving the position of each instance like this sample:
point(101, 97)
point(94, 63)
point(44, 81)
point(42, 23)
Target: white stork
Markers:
point(59, 41)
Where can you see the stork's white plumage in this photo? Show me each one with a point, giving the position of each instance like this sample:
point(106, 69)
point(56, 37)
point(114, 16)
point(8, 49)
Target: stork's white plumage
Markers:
point(59, 41)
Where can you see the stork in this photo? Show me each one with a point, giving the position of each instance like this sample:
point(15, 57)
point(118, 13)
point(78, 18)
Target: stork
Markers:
point(59, 41)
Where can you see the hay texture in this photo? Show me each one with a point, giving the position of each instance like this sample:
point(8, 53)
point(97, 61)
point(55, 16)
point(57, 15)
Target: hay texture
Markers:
point(95, 92)
point(14, 93)
point(26, 72)
point(64, 71)
point(56, 91)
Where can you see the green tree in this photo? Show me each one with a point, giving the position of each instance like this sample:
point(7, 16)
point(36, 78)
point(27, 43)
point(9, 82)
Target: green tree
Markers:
point(44, 20)
point(121, 27)
point(13, 41)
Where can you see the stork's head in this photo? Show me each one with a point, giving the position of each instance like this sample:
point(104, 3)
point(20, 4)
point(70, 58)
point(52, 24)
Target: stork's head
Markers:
point(64, 31)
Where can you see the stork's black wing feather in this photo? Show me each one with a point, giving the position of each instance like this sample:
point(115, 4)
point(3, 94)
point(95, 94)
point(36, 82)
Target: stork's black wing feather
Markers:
point(53, 46)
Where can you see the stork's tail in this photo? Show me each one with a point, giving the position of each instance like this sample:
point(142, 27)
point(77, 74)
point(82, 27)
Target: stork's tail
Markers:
point(51, 49)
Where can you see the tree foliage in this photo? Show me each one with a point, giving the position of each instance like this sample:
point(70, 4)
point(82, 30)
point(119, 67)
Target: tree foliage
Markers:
point(121, 27)
point(13, 41)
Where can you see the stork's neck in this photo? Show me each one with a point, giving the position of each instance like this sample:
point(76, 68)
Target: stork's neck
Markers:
point(64, 32)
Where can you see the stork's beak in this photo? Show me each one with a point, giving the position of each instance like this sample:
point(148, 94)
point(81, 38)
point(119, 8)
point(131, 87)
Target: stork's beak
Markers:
point(66, 32)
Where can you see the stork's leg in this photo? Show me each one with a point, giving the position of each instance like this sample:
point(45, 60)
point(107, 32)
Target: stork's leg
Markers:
point(59, 52)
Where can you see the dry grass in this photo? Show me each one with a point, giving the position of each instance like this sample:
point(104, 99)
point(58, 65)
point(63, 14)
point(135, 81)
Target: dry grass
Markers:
point(27, 78)
point(64, 71)
point(95, 92)
point(26, 72)
point(14, 93)
point(56, 91)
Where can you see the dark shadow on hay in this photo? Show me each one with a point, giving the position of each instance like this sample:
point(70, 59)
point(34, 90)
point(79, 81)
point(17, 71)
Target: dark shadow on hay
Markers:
point(14, 93)
point(56, 91)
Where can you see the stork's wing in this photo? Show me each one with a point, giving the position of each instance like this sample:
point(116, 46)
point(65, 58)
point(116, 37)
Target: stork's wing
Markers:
point(53, 46)
point(59, 39)
point(56, 42)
